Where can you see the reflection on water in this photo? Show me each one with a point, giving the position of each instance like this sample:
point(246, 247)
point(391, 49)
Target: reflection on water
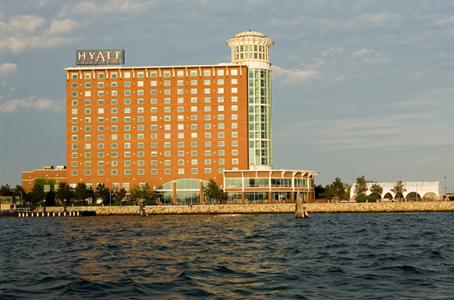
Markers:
point(235, 256)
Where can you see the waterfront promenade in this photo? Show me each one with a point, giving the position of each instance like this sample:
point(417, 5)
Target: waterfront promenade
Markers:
point(283, 208)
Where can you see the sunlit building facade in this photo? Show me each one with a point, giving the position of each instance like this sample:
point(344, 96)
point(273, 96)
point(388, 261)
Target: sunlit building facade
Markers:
point(176, 127)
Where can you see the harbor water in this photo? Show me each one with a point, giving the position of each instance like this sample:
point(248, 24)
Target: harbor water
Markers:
point(328, 256)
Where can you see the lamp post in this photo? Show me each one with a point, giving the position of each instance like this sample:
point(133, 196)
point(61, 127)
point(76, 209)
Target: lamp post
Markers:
point(446, 196)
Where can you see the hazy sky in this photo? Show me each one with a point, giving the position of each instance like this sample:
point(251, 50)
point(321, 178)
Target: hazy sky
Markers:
point(359, 87)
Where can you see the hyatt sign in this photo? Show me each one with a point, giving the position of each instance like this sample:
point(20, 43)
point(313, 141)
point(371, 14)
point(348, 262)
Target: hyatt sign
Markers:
point(100, 57)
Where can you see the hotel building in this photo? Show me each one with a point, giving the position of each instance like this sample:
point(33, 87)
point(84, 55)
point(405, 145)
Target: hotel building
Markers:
point(176, 127)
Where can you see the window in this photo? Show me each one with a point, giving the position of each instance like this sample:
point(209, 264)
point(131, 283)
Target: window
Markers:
point(220, 90)
point(234, 72)
point(220, 72)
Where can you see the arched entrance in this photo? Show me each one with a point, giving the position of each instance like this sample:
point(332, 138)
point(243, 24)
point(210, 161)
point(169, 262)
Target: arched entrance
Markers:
point(429, 196)
point(186, 191)
point(413, 196)
point(388, 197)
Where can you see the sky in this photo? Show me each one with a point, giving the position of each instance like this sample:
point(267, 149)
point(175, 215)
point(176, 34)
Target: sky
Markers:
point(360, 88)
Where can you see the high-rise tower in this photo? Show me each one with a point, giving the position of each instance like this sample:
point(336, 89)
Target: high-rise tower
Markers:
point(252, 49)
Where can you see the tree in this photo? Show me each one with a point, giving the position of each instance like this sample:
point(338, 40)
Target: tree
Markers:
point(118, 194)
point(360, 187)
point(18, 192)
point(338, 189)
point(103, 192)
point(399, 189)
point(212, 192)
point(375, 193)
point(142, 192)
point(43, 182)
point(81, 192)
point(50, 198)
point(348, 187)
point(319, 191)
point(37, 193)
point(64, 192)
point(5, 190)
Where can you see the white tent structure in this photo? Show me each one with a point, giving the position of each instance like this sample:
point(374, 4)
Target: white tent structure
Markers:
point(414, 190)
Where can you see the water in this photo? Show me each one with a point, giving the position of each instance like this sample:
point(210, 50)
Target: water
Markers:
point(329, 256)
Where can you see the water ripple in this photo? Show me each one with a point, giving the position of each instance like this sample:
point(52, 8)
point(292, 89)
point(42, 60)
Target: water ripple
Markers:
point(330, 256)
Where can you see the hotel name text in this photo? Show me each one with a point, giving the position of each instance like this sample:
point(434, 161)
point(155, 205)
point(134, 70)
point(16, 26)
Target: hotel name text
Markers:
point(100, 57)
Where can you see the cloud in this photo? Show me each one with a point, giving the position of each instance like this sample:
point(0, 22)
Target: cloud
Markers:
point(293, 76)
point(30, 103)
point(7, 69)
point(62, 26)
point(17, 44)
point(403, 130)
point(21, 24)
point(362, 21)
point(98, 8)
point(369, 56)
point(445, 21)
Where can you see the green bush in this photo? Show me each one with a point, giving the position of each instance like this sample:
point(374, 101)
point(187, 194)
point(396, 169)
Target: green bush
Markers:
point(373, 197)
point(361, 198)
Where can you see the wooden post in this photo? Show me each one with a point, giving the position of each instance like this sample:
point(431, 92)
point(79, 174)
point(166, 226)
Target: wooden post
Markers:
point(174, 192)
point(202, 196)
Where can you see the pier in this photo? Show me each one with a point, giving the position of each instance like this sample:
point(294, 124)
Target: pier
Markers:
point(34, 214)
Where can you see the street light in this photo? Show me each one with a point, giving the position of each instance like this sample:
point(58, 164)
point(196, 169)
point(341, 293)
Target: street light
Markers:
point(446, 196)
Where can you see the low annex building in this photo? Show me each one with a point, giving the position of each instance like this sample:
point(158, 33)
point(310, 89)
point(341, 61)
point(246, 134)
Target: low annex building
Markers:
point(50, 173)
point(176, 127)
point(414, 190)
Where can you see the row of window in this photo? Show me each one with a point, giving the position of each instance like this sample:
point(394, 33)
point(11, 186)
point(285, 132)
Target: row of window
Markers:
point(166, 135)
point(141, 110)
point(141, 136)
point(154, 163)
point(193, 91)
point(153, 101)
point(153, 83)
point(154, 73)
point(167, 153)
point(167, 171)
point(141, 162)
point(265, 182)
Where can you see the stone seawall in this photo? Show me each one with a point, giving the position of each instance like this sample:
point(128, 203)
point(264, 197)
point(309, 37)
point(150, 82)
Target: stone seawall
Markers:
point(445, 206)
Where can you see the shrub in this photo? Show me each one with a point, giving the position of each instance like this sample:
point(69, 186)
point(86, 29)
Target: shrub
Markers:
point(361, 198)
